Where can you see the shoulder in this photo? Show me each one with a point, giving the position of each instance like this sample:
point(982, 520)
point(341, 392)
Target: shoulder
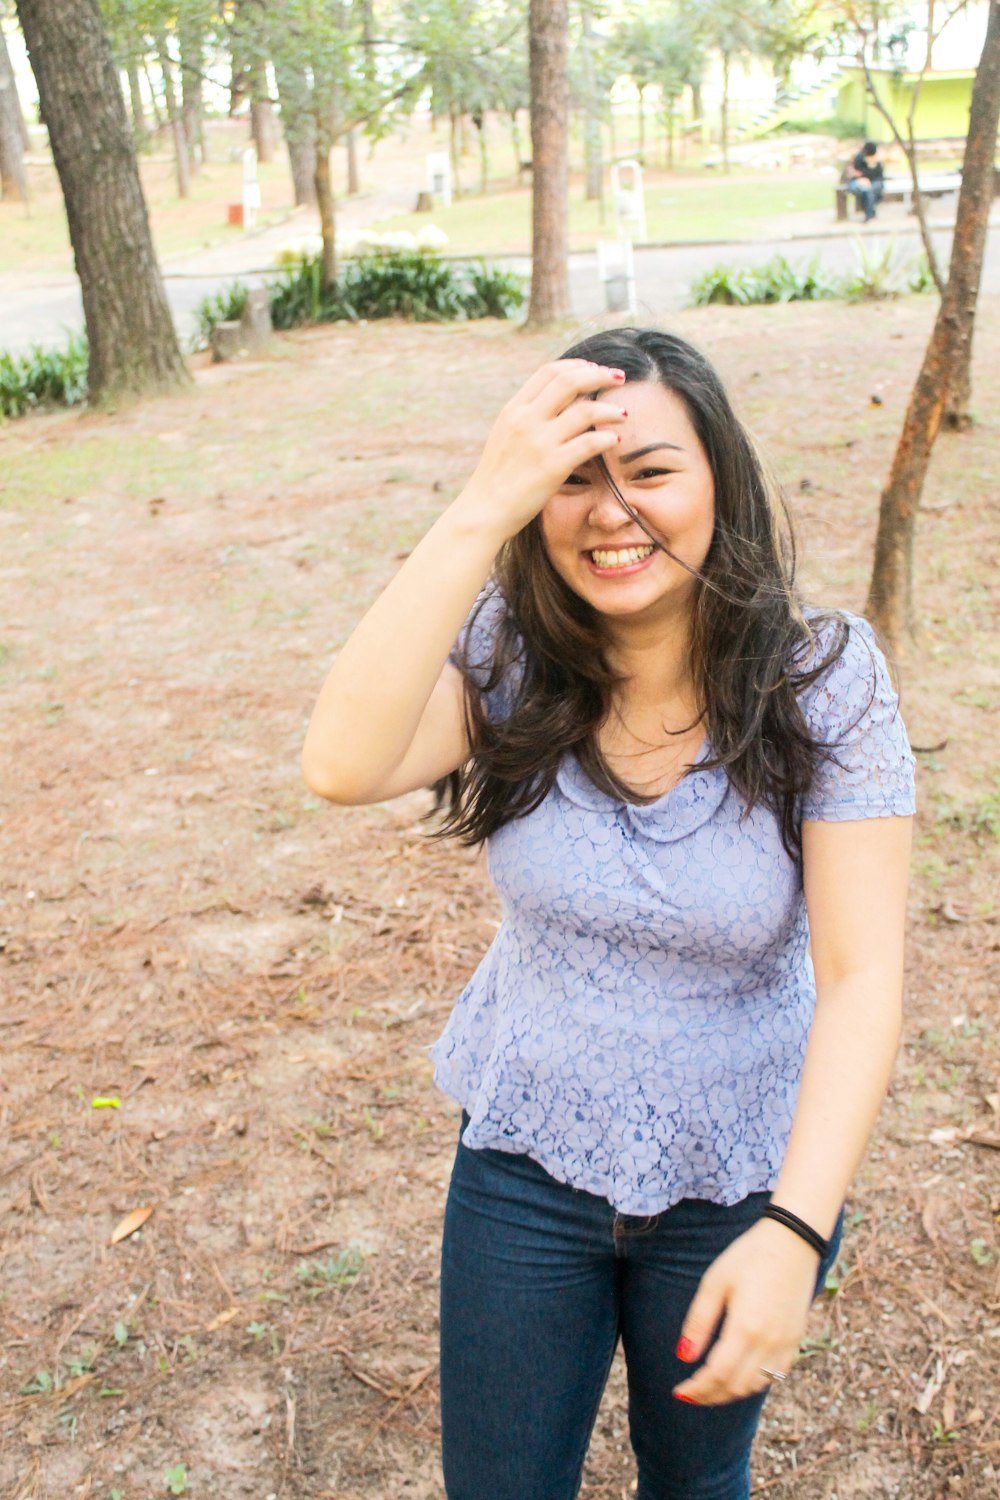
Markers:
point(851, 707)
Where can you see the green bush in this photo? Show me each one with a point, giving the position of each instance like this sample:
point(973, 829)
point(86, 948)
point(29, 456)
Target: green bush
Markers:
point(393, 284)
point(777, 280)
point(298, 295)
point(878, 274)
point(44, 377)
point(224, 307)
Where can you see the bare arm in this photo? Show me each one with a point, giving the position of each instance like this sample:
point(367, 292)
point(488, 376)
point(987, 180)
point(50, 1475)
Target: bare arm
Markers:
point(855, 877)
point(390, 715)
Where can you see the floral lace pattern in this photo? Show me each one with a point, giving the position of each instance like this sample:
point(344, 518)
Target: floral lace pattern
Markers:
point(639, 1023)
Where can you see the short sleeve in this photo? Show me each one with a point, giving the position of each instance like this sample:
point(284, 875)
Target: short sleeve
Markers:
point(853, 709)
point(474, 652)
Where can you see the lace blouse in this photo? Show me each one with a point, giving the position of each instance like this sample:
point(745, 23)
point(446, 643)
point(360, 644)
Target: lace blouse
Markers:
point(639, 1023)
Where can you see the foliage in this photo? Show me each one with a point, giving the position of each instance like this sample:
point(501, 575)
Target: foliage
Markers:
point(777, 280)
point(877, 275)
point(224, 307)
point(44, 377)
point(393, 284)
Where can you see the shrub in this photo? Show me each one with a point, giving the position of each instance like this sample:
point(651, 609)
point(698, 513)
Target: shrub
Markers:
point(777, 280)
point(387, 283)
point(878, 274)
point(224, 307)
point(44, 377)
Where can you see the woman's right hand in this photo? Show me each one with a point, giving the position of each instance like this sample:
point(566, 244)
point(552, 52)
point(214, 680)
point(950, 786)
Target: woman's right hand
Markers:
point(551, 427)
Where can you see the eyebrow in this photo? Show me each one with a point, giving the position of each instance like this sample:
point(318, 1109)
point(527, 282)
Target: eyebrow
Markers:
point(628, 458)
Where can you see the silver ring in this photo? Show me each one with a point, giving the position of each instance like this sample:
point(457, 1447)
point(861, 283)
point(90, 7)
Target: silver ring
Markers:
point(773, 1374)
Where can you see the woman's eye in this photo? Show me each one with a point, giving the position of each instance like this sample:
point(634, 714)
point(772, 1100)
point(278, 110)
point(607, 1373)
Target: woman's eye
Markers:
point(651, 473)
point(576, 479)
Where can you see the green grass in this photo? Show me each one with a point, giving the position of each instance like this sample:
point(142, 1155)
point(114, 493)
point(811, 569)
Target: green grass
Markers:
point(676, 211)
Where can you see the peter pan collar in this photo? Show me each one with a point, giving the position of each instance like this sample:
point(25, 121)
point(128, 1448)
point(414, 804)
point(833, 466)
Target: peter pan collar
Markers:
point(673, 816)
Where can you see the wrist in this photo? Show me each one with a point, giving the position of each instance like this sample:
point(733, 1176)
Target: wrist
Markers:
point(474, 517)
point(791, 1222)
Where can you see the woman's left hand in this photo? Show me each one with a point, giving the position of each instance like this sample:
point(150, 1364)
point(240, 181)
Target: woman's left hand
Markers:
point(762, 1287)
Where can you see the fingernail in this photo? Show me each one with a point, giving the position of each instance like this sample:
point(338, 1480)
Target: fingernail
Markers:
point(618, 436)
point(618, 374)
point(686, 1350)
point(624, 411)
point(688, 1400)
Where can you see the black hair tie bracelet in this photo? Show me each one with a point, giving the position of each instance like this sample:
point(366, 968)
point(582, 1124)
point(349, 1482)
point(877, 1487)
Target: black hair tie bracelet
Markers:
point(797, 1226)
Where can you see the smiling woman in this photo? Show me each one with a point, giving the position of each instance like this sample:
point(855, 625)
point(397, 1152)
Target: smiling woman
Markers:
point(696, 797)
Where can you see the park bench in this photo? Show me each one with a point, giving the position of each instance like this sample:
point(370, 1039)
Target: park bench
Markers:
point(898, 189)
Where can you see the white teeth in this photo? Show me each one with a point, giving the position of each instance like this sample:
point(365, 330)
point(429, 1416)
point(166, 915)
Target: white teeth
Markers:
point(622, 557)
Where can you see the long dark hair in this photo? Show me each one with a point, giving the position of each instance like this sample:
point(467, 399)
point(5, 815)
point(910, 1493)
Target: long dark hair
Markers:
point(753, 650)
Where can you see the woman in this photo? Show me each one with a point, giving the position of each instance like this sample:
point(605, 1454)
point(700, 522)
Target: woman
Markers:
point(696, 800)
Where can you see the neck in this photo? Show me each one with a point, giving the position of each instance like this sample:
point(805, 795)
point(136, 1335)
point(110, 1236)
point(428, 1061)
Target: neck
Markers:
point(655, 660)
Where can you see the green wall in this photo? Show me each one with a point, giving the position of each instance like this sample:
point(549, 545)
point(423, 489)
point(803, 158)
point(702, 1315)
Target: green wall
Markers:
point(942, 108)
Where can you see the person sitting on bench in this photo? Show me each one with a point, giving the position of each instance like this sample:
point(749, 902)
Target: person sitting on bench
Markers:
point(865, 178)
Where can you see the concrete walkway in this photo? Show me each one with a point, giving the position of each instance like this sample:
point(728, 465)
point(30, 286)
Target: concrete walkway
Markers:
point(41, 308)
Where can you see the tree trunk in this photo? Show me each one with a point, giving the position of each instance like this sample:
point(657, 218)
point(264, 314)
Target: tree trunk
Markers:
point(725, 112)
point(133, 346)
point(300, 130)
point(548, 26)
point(192, 107)
point(139, 127)
point(978, 171)
point(479, 120)
point(641, 153)
point(353, 175)
point(13, 177)
point(158, 121)
point(324, 198)
point(182, 161)
point(456, 186)
point(890, 594)
point(262, 125)
point(593, 165)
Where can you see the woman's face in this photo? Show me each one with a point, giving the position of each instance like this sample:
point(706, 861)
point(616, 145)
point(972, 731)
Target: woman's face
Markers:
point(663, 472)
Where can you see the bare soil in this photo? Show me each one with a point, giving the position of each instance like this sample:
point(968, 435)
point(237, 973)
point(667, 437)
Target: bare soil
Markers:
point(252, 978)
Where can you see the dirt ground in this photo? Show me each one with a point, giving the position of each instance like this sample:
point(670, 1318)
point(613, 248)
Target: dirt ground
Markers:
point(218, 993)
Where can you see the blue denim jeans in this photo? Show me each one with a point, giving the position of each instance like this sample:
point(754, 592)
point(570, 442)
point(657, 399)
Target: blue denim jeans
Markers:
point(539, 1281)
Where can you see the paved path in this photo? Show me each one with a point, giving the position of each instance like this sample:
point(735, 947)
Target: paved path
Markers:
point(41, 308)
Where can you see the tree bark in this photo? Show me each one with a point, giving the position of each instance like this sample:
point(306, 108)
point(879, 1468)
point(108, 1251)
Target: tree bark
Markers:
point(139, 127)
point(13, 177)
point(324, 198)
point(133, 346)
point(890, 594)
point(547, 50)
point(300, 130)
point(593, 164)
point(353, 175)
point(192, 45)
point(724, 122)
point(182, 160)
point(261, 114)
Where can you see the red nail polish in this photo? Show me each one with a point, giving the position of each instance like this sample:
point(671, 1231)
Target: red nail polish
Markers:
point(618, 436)
point(688, 1400)
point(686, 1350)
point(618, 374)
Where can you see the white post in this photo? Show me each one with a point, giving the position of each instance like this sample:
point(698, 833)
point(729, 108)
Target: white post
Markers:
point(439, 176)
point(629, 199)
point(251, 188)
point(616, 272)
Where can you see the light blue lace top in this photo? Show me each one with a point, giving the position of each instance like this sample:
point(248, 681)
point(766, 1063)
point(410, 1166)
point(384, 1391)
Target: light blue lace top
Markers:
point(638, 1024)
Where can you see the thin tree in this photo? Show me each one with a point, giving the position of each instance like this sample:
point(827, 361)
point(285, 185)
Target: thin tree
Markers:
point(547, 59)
point(890, 595)
point(133, 345)
point(13, 177)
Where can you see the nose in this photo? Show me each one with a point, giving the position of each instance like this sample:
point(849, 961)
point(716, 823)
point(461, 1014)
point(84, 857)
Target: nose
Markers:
point(607, 511)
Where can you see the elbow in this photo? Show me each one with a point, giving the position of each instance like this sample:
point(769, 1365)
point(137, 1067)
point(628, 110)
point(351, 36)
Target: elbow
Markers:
point(324, 780)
